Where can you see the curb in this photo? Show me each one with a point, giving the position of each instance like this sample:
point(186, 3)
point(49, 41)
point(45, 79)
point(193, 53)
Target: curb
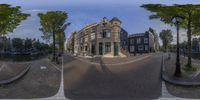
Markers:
point(15, 77)
point(175, 82)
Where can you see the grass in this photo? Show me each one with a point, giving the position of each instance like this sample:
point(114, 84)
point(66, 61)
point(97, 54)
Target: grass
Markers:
point(187, 68)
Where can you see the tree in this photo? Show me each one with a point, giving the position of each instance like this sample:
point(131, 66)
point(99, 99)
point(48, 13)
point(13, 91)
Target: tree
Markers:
point(189, 12)
point(4, 44)
point(18, 44)
point(37, 45)
point(10, 17)
point(60, 37)
point(166, 37)
point(51, 24)
point(27, 44)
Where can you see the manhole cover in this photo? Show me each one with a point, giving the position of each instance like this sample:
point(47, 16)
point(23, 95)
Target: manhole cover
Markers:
point(43, 67)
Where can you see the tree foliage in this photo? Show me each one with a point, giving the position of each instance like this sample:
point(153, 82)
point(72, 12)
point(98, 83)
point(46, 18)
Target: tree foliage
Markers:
point(27, 44)
point(18, 44)
point(166, 37)
point(189, 12)
point(52, 23)
point(10, 18)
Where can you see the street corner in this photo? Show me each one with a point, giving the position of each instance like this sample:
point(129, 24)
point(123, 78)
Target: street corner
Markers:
point(10, 72)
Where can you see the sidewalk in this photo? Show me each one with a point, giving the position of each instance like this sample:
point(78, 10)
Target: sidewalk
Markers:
point(11, 72)
point(187, 78)
point(41, 81)
point(186, 86)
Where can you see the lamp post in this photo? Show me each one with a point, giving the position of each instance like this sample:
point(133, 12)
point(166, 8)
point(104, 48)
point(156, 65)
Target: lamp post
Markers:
point(177, 20)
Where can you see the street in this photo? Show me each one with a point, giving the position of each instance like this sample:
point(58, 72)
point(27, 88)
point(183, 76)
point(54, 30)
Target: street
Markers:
point(134, 80)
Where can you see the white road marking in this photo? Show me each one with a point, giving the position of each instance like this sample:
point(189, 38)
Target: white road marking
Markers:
point(60, 95)
point(43, 67)
point(122, 63)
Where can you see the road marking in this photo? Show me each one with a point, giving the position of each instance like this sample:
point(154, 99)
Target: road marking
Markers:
point(122, 63)
point(43, 67)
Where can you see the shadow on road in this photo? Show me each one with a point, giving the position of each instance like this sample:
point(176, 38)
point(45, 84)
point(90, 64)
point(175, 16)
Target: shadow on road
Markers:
point(103, 66)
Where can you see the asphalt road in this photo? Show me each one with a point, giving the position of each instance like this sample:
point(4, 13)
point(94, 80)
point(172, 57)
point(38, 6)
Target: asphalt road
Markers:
point(135, 80)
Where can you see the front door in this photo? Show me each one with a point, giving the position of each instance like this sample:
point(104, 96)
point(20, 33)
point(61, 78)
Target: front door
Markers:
point(116, 49)
point(93, 49)
point(100, 48)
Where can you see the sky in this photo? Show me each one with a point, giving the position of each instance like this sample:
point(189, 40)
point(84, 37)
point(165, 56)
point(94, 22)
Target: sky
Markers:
point(82, 12)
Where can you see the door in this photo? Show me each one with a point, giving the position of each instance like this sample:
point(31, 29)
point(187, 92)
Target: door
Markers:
point(93, 49)
point(100, 48)
point(116, 49)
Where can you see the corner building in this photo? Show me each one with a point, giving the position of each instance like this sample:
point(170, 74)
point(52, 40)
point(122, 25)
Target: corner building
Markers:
point(102, 39)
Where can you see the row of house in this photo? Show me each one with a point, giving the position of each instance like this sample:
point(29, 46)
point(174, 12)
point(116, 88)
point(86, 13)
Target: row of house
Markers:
point(108, 39)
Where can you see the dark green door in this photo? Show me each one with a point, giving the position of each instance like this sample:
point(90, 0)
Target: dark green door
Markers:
point(116, 48)
point(100, 48)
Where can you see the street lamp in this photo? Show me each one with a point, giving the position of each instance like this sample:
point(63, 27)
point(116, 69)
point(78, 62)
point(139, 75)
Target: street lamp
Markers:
point(177, 20)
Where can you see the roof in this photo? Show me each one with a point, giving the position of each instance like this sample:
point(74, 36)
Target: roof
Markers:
point(88, 26)
point(115, 19)
point(137, 34)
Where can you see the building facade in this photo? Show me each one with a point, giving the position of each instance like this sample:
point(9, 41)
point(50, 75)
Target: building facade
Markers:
point(142, 43)
point(100, 39)
point(196, 44)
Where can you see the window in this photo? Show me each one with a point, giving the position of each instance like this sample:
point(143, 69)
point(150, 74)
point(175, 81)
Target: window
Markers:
point(138, 40)
point(145, 40)
point(131, 41)
point(93, 30)
point(100, 35)
point(86, 38)
point(92, 36)
point(132, 48)
point(108, 35)
point(107, 47)
point(140, 48)
point(146, 48)
point(104, 34)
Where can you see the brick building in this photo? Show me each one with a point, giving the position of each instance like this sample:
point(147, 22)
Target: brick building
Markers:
point(105, 38)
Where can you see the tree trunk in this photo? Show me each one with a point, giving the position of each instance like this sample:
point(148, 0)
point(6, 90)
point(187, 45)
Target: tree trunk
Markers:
point(189, 33)
point(165, 48)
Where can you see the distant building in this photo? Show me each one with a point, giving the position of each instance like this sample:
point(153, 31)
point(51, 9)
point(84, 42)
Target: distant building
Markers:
point(105, 38)
point(142, 43)
point(196, 44)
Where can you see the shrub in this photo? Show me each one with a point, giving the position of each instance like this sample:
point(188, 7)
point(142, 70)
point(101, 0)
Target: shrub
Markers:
point(193, 68)
point(50, 57)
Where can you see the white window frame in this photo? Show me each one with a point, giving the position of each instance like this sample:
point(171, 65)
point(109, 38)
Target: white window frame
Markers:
point(138, 40)
point(145, 40)
point(132, 48)
point(146, 47)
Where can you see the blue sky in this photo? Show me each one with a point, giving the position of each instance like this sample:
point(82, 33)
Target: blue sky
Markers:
point(81, 12)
